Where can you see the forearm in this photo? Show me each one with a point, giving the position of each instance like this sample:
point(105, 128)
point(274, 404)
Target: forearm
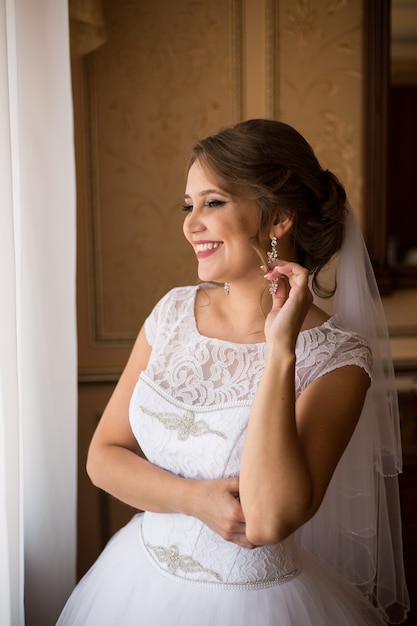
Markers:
point(275, 484)
point(135, 481)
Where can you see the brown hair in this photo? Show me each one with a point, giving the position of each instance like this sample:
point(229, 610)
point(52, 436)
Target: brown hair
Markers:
point(276, 165)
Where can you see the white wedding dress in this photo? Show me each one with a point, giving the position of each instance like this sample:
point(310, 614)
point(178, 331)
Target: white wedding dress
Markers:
point(189, 413)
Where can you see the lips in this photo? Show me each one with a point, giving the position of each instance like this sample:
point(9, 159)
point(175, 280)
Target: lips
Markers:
point(206, 248)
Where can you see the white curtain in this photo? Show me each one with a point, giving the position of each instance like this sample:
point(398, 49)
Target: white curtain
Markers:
point(37, 313)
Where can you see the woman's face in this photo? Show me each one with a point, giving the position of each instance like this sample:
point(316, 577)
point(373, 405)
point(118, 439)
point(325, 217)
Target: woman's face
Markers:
point(221, 228)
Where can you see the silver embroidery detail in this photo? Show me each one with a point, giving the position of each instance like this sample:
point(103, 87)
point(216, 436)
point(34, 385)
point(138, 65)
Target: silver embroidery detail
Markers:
point(175, 561)
point(185, 424)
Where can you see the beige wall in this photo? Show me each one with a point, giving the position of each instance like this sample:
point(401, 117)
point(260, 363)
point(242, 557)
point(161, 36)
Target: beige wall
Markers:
point(320, 83)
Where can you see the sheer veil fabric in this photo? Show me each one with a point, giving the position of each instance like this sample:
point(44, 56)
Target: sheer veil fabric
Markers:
point(358, 526)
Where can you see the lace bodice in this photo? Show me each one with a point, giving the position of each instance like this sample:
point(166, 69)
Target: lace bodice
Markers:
point(189, 413)
point(197, 370)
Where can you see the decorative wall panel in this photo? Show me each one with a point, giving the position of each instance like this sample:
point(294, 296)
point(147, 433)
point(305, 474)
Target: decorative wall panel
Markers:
point(320, 82)
point(167, 74)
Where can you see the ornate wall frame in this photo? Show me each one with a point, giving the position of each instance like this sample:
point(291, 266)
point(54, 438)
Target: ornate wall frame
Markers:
point(377, 36)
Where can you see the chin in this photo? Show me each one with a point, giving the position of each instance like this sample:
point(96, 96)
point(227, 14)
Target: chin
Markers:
point(210, 279)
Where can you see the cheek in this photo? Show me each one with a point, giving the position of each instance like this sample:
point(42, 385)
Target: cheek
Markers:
point(185, 229)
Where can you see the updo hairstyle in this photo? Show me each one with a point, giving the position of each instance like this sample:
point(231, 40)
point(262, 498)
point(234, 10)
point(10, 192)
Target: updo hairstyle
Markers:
point(272, 163)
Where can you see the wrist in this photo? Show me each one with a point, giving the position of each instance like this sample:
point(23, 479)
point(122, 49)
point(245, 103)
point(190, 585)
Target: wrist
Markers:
point(280, 354)
point(188, 496)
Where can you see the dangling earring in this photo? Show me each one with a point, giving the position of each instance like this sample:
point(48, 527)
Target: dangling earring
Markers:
point(273, 256)
point(226, 288)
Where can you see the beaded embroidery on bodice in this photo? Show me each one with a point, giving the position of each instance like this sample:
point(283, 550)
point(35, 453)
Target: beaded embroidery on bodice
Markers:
point(189, 413)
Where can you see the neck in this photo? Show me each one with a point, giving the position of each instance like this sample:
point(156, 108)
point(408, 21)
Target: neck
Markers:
point(239, 316)
point(247, 299)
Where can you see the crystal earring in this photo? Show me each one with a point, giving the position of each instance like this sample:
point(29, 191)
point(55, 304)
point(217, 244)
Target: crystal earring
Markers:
point(226, 288)
point(273, 256)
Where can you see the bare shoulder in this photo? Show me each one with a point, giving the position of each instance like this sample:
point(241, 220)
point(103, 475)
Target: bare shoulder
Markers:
point(315, 317)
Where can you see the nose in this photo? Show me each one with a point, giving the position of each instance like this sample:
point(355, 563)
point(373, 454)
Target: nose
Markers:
point(193, 223)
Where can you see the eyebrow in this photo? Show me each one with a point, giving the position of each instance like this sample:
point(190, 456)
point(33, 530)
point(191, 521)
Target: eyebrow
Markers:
point(206, 192)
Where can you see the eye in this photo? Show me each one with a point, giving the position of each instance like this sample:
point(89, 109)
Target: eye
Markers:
point(212, 204)
point(187, 208)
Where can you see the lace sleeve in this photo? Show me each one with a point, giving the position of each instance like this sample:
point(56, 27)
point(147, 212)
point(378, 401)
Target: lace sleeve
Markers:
point(154, 318)
point(176, 303)
point(326, 348)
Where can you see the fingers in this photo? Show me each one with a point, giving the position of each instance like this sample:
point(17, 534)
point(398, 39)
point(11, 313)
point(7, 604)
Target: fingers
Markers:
point(288, 280)
point(295, 273)
point(220, 510)
point(234, 526)
point(291, 301)
point(236, 533)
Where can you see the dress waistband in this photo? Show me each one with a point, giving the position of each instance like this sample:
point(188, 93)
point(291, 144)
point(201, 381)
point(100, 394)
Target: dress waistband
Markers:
point(197, 556)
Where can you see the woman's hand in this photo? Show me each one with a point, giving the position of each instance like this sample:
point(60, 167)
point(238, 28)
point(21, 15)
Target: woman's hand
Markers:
point(217, 505)
point(290, 302)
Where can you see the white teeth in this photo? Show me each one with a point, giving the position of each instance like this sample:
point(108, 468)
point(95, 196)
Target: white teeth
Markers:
point(203, 247)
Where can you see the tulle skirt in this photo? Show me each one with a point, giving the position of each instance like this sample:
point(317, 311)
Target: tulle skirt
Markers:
point(124, 589)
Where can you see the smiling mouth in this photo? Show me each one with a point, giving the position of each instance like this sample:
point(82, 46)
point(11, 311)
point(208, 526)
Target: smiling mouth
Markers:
point(204, 247)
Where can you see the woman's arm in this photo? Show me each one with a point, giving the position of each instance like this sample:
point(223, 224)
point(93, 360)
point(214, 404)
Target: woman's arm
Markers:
point(292, 448)
point(114, 465)
point(113, 461)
